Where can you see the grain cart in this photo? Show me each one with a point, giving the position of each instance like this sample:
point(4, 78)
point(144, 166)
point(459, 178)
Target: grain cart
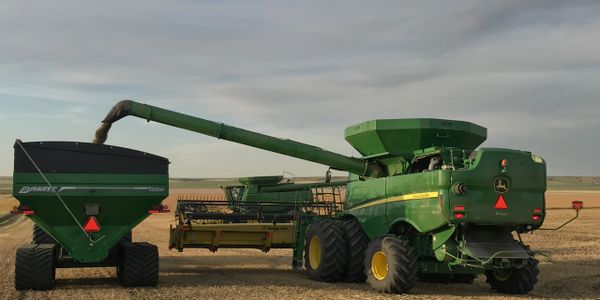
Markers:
point(421, 202)
point(84, 200)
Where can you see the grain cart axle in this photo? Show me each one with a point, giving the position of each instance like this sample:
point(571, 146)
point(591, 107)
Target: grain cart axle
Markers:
point(84, 200)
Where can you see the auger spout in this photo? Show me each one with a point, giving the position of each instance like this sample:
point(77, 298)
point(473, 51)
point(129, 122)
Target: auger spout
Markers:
point(238, 135)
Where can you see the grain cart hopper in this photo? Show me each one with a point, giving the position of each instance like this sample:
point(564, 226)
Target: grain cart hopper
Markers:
point(84, 200)
point(421, 201)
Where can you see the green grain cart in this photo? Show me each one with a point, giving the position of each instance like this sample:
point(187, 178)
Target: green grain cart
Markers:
point(84, 200)
point(421, 202)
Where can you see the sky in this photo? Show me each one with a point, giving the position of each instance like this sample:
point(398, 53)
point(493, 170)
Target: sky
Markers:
point(528, 71)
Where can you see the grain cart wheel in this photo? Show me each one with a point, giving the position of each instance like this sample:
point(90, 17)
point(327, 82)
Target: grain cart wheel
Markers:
point(356, 245)
point(325, 251)
point(138, 265)
point(35, 267)
point(391, 264)
point(128, 237)
point(515, 280)
point(41, 237)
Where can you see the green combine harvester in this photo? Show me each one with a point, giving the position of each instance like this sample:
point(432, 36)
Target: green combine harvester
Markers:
point(421, 203)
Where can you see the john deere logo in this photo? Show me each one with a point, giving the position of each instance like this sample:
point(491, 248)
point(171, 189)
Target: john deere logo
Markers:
point(501, 185)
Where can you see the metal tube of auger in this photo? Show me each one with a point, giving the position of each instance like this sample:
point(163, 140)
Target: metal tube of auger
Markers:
point(237, 135)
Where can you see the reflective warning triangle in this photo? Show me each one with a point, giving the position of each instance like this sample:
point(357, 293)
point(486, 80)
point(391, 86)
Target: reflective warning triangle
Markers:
point(92, 225)
point(500, 203)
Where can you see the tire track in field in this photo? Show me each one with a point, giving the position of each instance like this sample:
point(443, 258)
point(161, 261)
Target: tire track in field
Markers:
point(8, 219)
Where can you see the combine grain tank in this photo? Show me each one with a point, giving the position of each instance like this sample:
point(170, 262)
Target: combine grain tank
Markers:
point(84, 200)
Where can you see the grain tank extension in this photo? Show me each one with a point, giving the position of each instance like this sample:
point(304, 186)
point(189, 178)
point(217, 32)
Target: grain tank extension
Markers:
point(422, 202)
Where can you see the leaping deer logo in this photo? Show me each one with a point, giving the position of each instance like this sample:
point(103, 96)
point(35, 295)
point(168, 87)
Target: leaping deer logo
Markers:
point(501, 185)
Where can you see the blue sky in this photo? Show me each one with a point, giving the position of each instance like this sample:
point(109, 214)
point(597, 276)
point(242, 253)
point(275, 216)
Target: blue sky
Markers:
point(529, 71)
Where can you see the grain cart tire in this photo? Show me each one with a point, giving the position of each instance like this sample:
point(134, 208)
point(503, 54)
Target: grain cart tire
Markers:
point(35, 267)
point(516, 280)
point(41, 237)
point(325, 251)
point(128, 237)
point(391, 264)
point(356, 245)
point(138, 265)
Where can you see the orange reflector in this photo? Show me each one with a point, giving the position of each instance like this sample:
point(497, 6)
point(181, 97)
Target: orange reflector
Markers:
point(577, 205)
point(459, 207)
point(504, 163)
point(22, 210)
point(91, 225)
point(159, 209)
point(500, 203)
point(537, 210)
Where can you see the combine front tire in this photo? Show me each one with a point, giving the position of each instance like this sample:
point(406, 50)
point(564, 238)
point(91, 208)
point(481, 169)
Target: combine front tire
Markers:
point(391, 265)
point(356, 245)
point(516, 280)
point(325, 251)
point(35, 267)
point(138, 265)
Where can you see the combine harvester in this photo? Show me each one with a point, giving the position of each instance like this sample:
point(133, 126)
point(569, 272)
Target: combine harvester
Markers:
point(422, 202)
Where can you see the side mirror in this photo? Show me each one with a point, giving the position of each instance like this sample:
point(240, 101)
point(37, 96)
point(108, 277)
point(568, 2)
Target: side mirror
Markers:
point(577, 205)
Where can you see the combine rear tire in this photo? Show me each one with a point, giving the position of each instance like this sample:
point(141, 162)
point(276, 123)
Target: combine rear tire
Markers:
point(325, 251)
point(356, 245)
point(138, 265)
point(391, 265)
point(516, 280)
point(41, 237)
point(35, 267)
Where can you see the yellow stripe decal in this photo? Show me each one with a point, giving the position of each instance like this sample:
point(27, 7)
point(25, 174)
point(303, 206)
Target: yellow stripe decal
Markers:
point(417, 196)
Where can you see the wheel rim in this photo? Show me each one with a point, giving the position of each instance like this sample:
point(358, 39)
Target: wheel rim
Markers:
point(502, 275)
point(379, 265)
point(314, 252)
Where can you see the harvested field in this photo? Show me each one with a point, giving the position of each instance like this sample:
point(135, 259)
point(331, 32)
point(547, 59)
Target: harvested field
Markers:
point(571, 270)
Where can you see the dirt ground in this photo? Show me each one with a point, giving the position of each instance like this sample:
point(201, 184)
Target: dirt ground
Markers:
point(570, 266)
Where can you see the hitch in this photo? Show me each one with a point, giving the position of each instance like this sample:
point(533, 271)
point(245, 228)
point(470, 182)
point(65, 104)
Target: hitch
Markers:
point(577, 206)
point(159, 209)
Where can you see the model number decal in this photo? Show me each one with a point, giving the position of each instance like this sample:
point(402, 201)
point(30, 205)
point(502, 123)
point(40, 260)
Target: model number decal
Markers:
point(417, 196)
point(37, 189)
point(54, 189)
